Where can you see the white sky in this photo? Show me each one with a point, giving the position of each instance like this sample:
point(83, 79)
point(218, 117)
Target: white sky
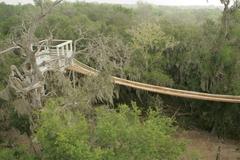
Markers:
point(159, 2)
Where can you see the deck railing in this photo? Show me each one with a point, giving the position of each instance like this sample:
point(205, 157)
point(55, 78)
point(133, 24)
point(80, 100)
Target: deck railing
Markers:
point(54, 54)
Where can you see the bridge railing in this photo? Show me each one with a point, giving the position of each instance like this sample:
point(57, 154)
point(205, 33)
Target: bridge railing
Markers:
point(54, 55)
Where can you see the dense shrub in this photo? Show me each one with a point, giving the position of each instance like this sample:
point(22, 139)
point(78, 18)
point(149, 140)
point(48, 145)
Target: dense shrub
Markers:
point(121, 134)
point(15, 154)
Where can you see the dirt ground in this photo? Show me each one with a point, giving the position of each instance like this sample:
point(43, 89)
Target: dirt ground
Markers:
point(204, 146)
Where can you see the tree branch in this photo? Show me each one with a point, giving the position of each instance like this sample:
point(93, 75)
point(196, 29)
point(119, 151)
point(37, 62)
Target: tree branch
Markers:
point(9, 49)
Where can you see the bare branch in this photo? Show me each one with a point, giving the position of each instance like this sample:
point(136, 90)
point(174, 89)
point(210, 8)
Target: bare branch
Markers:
point(9, 49)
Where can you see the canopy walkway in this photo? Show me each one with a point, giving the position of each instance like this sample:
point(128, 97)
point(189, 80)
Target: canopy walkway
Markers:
point(58, 55)
point(86, 70)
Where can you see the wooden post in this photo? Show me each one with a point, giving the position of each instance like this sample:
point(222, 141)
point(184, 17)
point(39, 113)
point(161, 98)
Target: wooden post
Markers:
point(74, 82)
point(67, 47)
point(58, 54)
point(65, 55)
point(71, 49)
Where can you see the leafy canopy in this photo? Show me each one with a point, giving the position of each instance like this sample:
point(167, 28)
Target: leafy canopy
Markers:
point(112, 134)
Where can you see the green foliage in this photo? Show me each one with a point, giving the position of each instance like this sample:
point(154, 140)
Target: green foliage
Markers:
point(20, 122)
point(65, 135)
point(203, 61)
point(15, 154)
point(129, 138)
point(148, 42)
point(99, 89)
point(110, 135)
point(93, 18)
point(9, 17)
point(6, 154)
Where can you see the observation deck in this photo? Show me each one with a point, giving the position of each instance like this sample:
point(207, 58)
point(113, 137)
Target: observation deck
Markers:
point(54, 54)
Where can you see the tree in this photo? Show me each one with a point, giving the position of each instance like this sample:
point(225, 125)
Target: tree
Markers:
point(148, 41)
point(109, 134)
point(26, 87)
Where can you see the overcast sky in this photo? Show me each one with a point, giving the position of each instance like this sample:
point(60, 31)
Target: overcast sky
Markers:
point(159, 2)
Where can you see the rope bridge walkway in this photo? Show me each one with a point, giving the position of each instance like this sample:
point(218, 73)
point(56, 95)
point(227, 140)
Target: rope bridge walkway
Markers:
point(86, 70)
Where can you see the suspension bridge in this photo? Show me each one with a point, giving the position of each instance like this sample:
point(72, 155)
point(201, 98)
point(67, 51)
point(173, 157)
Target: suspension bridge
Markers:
point(59, 55)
